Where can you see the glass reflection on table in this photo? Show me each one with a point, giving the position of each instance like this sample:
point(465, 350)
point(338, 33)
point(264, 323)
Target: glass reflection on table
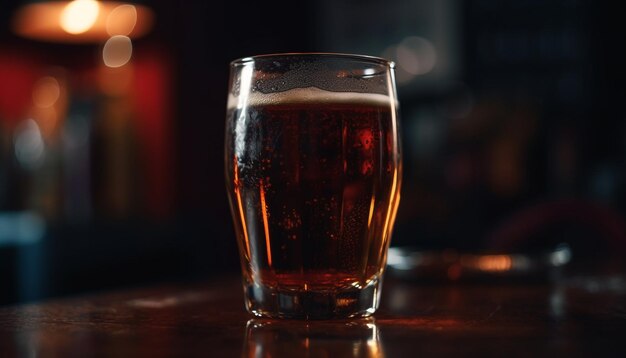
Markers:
point(344, 338)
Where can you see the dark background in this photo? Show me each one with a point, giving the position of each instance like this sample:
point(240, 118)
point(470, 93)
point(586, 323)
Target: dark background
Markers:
point(515, 140)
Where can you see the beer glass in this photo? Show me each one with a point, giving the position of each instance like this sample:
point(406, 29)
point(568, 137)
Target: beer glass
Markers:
point(313, 172)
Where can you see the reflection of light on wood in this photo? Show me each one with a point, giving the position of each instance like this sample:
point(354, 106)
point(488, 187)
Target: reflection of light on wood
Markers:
point(79, 16)
point(373, 344)
point(494, 263)
point(265, 224)
point(244, 227)
point(422, 323)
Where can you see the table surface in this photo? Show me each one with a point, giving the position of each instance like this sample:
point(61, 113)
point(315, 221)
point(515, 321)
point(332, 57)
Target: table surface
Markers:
point(580, 318)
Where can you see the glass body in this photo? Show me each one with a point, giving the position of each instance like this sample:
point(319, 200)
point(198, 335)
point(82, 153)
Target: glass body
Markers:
point(313, 172)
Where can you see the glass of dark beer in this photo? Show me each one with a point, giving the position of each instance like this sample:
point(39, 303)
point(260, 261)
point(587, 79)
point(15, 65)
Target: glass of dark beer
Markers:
point(313, 172)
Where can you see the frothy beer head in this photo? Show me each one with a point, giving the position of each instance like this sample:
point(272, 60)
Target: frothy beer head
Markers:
point(307, 96)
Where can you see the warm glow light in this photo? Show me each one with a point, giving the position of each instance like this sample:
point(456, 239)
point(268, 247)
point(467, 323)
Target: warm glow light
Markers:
point(79, 16)
point(46, 92)
point(81, 21)
point(117, 51)
point(495, 263)
point(122, 20)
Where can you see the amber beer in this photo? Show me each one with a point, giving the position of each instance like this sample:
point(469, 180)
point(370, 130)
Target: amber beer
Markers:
point(313, 184)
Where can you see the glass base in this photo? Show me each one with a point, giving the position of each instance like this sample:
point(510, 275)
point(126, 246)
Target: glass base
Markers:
point(272, 302)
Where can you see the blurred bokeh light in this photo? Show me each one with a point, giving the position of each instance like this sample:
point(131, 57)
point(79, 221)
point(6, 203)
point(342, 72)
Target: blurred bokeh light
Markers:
point(80, 21)
point(79, 16)
point(117, 51)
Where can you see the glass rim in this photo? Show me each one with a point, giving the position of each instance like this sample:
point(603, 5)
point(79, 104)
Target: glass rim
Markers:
point(336, 55)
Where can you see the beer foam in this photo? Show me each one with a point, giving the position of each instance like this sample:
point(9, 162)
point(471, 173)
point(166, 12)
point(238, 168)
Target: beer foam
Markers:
point(310, 95)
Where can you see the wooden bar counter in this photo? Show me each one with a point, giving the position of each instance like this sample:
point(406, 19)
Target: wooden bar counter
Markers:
point(575, 318)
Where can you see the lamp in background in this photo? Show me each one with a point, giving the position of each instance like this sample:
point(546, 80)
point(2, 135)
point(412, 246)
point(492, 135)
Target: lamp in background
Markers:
point(81, 21)
point(89, 152)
